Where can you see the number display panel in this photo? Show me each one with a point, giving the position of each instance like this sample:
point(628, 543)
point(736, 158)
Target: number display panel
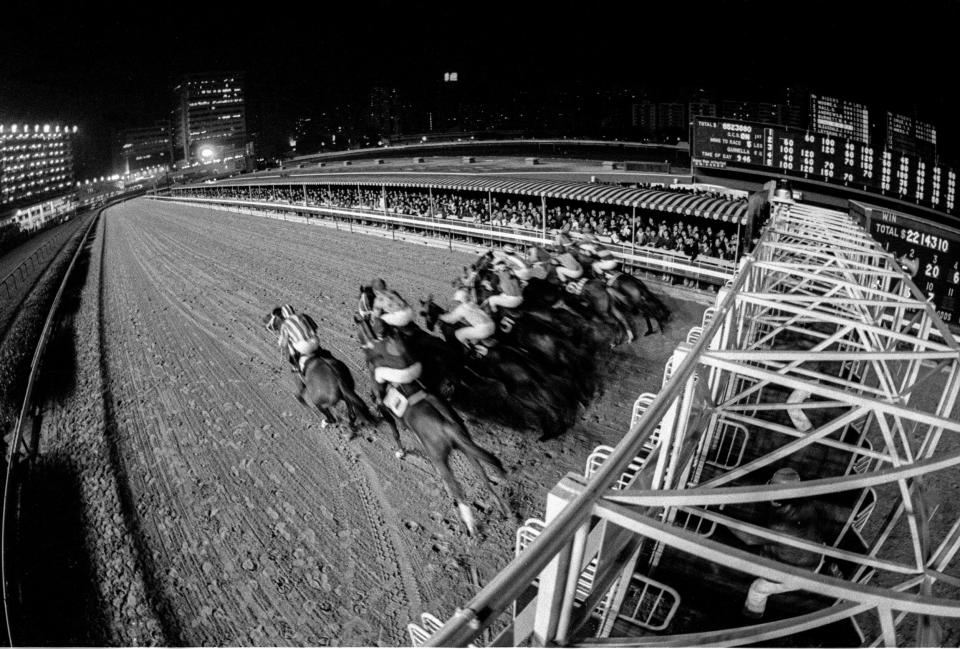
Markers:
point(723, 143)
point(936, 250)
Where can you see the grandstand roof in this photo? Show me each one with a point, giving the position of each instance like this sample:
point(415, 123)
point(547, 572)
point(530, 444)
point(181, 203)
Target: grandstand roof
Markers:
point(697, 205)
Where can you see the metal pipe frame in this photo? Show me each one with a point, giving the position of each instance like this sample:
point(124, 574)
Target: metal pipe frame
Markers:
point(816, 278)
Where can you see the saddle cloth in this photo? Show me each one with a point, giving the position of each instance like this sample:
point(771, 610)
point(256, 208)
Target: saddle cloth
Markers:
point(398, 403)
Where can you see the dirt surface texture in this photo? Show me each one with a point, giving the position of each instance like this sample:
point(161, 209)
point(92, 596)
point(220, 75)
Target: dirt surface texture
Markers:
point(223, 514)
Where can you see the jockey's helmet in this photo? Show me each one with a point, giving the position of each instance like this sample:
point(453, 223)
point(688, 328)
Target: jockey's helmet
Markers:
point(461, 295)
point(379, 285)
point(785, 475)
point(287, 311)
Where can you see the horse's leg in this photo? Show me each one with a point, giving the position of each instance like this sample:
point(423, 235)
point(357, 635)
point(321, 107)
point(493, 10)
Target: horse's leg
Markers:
point(622, 321)
point(328, 417)
point(455, 491)
point(474, 454)
point(401, 452)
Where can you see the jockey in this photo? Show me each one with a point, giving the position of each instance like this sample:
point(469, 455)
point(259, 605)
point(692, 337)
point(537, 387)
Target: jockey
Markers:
point(391, 363)
point(389, 306)
point(510, 295)
point(568, 268)
point(508, 255)
point(479, 324)
point(538, 260)
point(298, 334)
point(604, 261)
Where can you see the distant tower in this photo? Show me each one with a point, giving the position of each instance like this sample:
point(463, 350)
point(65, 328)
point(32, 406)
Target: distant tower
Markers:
point(209, 116)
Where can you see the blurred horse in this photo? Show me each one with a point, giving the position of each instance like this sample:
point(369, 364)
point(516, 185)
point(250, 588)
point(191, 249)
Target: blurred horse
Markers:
point(539, 396)
point(438, 430)
point(543, 341)
point(326, 382)
point(441, 365)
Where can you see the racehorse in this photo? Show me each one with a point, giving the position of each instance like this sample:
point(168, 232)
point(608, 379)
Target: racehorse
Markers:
point(326, 382)
point(544, 342)
point(640, 300)
point(629, 292)
point(588, 297)
point(538, 395)
point(440, 363)
point(438, 430)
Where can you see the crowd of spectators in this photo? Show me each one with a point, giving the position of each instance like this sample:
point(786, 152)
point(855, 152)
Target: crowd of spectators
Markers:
point(690, 238)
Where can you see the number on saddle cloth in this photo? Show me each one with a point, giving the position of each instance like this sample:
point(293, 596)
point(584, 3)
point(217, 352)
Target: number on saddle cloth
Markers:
point(506, 324)
point(396, 402)
point(576, 288)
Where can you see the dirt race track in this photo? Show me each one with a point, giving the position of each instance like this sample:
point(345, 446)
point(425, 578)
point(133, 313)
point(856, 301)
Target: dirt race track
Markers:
point(261, 528)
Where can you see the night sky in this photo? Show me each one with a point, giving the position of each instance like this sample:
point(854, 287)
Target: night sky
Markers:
point(109, 69)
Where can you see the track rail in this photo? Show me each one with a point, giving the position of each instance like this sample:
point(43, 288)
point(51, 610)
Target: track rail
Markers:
point(18, 449)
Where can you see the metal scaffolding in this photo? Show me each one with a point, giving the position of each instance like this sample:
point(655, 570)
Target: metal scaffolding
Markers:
point(821, 359)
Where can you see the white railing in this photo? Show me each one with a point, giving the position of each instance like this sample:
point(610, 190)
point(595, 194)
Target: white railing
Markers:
point(712, 271)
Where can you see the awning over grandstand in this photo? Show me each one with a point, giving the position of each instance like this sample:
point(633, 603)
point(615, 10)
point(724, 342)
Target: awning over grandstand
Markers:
point(680, 203)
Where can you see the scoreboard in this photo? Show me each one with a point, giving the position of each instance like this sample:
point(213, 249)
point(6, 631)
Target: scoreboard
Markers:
point(723, 143)
point(936, 249)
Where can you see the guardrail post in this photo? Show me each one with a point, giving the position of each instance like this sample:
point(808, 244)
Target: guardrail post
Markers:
point(550, 590)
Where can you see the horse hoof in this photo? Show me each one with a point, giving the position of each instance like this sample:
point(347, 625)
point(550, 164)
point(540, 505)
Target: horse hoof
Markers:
point(400, 454)
point(467, 515)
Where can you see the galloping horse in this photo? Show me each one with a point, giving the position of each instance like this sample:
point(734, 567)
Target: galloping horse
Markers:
point(538, 395)
point(438, 433)
point(326, 382)
point(546, 343)
point(440, 363)
point(640, 300)
point(629, 292)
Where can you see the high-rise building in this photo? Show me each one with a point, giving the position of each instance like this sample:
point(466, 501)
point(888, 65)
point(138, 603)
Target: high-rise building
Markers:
point(752, 111)
point(36, 163)
point(702, 109)
point(796, 108)
point(847, 119)
point(672, 117)
point(145, 147)
point(644, 116)
point(907, 135)
point(209, 117)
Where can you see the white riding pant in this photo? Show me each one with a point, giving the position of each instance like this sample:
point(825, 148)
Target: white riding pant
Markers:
point(605, 265)
point(393, 375)
point(400, 318)
point(506, 301)
point(566, 274)
point(475, 333)
point(306, 347)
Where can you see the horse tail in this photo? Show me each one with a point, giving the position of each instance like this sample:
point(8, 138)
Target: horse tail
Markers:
point(465, 444)
point(346, 387)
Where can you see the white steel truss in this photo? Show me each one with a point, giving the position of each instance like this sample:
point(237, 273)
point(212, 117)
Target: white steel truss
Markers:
point(828, 360)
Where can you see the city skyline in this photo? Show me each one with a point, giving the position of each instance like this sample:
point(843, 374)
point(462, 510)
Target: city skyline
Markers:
point(108, 71)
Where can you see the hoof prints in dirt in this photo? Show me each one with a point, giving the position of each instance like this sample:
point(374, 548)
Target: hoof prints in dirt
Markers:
point(197, 400)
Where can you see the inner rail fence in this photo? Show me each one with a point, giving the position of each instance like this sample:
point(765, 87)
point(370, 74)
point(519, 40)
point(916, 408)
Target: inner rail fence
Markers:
point(704, 273)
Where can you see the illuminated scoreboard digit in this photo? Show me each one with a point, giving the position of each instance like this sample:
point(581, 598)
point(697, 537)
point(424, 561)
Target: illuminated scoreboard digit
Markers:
point(721, 143)
point(937, 251)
